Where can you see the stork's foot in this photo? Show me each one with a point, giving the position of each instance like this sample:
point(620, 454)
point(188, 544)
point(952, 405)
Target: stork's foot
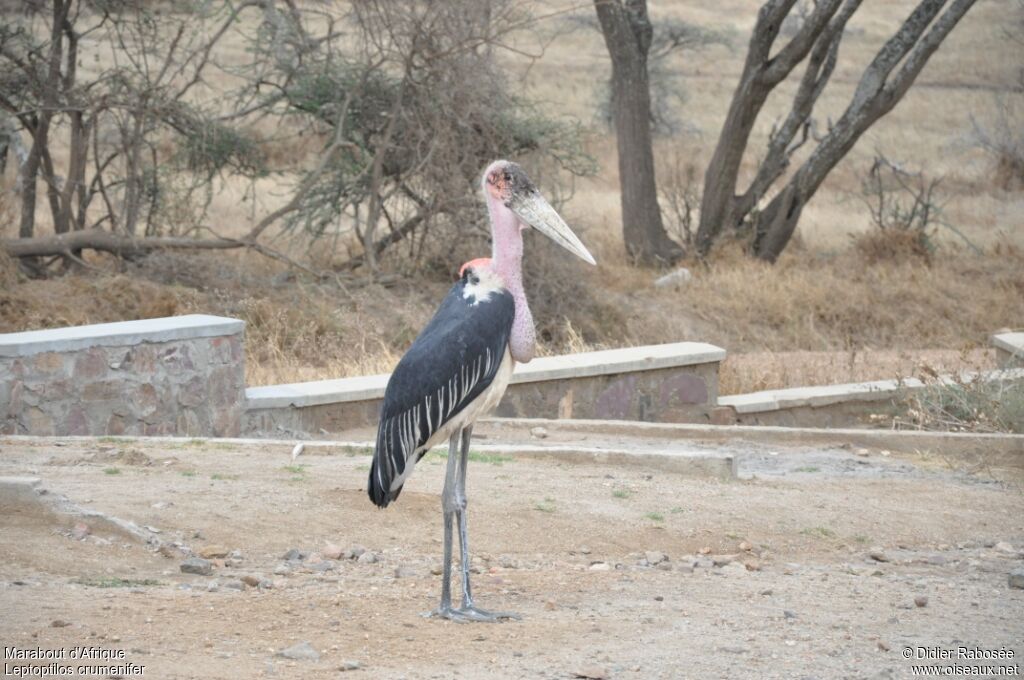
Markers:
point(471, 614)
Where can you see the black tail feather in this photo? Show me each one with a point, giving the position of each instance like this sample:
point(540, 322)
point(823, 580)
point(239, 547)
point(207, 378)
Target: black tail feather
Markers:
point(380, 493)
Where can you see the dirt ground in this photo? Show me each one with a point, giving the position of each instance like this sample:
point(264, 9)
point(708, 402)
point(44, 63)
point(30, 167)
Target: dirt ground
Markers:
point(767, 576)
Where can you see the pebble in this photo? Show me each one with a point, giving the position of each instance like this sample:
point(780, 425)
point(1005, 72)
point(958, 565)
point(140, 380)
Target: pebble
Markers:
point(921, 600)
point(406, 572)
point(655, 557)
point(878, 555)
point(584, 549)
point(59, 623)
point(506, 562)
point(282, 570)
point(539, 432)
point(294, 555)
point(323, 565)
point(302, 651)
point(734, 569)
point(349, 666)
point(80, 531)
point(1016, 579)
point(233, 585)
point(211, 551)
point(367, 558)
point(251, 581)
point(197, 565)
point(332, 551)
point(1004, 547)
point(600, 566)
point(354, 552)
point(436, 570)
point(592, 672)
point(883, 645)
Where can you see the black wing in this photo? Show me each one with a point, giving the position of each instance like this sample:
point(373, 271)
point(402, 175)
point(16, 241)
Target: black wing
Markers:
point(452, 361)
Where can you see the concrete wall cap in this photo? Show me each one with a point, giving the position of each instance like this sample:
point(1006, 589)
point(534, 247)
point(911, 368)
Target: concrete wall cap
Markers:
point(613, 361)
point(122, 333)
point(582, 365)
point(825, 395)
point(1010, 342)
point(821, 395)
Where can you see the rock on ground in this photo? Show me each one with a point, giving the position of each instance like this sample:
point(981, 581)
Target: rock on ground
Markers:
point(197, 565)
point(302, 651)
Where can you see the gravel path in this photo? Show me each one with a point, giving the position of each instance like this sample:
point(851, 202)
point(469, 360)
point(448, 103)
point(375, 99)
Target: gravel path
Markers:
point(816, 563)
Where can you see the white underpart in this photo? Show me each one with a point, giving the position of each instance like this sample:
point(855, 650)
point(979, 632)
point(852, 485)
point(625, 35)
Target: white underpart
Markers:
point(479, 407)
point(487, 282)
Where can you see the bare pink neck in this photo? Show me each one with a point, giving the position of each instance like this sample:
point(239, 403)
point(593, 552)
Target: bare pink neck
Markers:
point(507, 259)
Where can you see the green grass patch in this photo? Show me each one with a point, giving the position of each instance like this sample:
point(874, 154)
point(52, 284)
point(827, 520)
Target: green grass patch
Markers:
point(547, 505)
point(622, 493)
point(114, 582)
point(818, 532)
point(807, 468)
point(655, 516)
point(295, 469)
point(112, 471)
point(115, 440)
point(489, 458)
point(476, 456)
point(188, 473)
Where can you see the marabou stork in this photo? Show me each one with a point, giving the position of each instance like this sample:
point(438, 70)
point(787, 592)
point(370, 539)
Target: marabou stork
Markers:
point(460, 364)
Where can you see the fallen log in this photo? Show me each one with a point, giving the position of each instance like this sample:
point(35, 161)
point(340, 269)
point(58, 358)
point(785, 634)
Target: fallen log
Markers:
point(123, 246)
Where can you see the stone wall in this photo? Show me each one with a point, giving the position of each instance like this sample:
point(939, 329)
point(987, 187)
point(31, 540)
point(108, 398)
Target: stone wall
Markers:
point(176, 376)
point(673, 383)
point(1009, 349)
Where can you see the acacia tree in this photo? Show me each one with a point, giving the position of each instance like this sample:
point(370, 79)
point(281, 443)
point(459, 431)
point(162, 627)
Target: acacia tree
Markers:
point(883, 83)
point(627, 33)
point(404, 108)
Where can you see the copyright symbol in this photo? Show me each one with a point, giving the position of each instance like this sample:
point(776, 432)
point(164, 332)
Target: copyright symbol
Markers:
point(908, 652)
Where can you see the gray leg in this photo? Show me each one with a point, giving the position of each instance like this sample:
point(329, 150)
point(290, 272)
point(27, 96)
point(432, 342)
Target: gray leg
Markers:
point(468, 608)
point(453, 502)
point(445, 610)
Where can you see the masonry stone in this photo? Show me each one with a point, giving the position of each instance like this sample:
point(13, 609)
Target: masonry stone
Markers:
point(179, 375)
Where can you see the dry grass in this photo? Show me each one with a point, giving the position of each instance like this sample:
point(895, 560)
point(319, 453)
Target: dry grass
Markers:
point(828, 312)
point(850, 322)
point(965, 405)
point(815, 302)
point(755, 371)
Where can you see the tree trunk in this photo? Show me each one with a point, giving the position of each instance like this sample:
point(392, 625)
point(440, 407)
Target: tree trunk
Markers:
point(627, 34)
point(878, 92)
point(27, 181)
point(881, 86)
